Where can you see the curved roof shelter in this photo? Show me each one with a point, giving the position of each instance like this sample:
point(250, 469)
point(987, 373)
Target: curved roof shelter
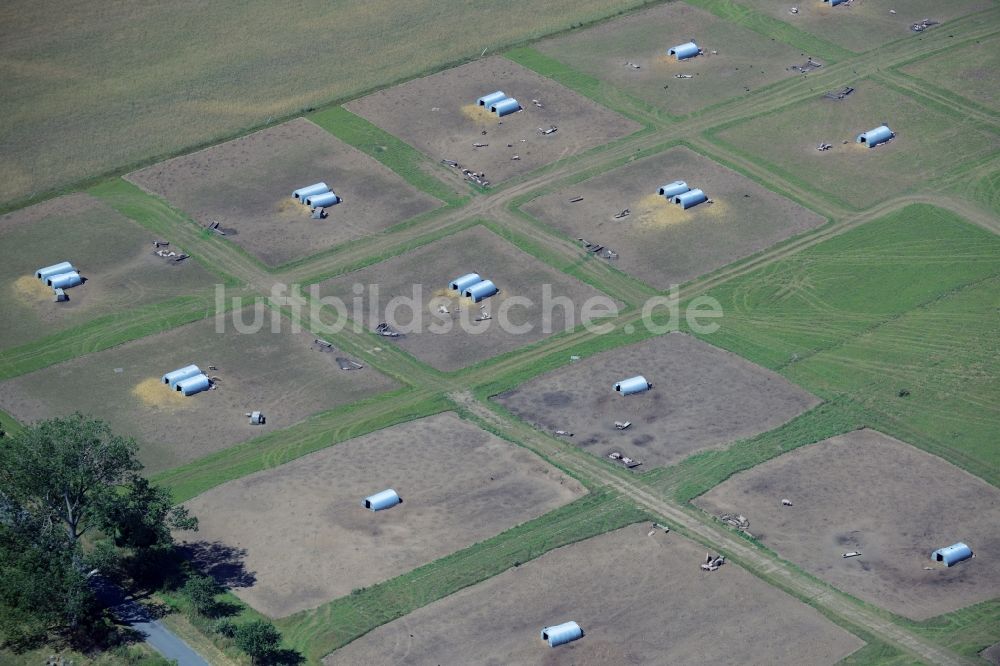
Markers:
point(186, 372)
point(952, 554)
point(323, 200)
point(54, 269)
point(64, 280)
point(492, 98)
point(684, 51)
point(637, 384)
point(505, 107)
point(834, 3)
point(691, 198)
point(303, 192)
point(873, 137)
point(671, 190)
point(193, 385)
point(383, 500)
point(460, 284)
point(481, 290)
point(562, 633)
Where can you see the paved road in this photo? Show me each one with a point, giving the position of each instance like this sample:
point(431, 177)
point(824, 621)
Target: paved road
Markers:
point(138, 617)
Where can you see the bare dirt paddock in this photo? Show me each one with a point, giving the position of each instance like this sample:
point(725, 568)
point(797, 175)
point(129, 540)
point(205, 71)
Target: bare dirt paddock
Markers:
point(867, 492)
point(612, 50)
point(438, 115)
point(246, 185)
point(113, 254)
point(639, 599)
point(702, 397)
point(658, 242)
point(517, 274)
point(276, 373)
point(308, 539)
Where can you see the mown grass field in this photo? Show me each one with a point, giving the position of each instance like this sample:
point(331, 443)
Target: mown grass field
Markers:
point(908, 302)
point(102, 86)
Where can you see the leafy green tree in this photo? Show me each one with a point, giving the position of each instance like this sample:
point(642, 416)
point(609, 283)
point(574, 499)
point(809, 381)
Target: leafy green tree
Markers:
point(74, 471)
point(61, 480)
point(41, 585)
point(201, 592)
point(258, 638)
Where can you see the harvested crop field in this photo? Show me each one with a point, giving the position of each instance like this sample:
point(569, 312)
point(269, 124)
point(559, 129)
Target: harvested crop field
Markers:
point(702, 397)
point(862, 26)
point(277, 373)
point(307, 539)
point(928, 144)
point(639, 599)
point(612, 50)
point(658, 242)
point(246, 185)
point(454, 340)
point(848, 495)
point(113, 254)
point(438, 115)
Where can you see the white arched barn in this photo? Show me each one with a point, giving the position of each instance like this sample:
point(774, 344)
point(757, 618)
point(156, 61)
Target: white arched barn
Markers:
point(670, 190)
point(874, 137)
point(181, 374)
point(636, 384)
point(384, 500)
point(193, 385)
point(460, 284)
point(562, 633)
point(481, 290)
point(691, 198)
point(685, 51)
point(303, 192)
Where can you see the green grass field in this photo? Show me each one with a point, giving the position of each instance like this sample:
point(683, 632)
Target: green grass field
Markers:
point(908, 301)
point(100, 87)
point(929, 143)
point(972, 71)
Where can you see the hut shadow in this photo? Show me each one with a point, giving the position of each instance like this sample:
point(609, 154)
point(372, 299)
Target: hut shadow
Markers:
point(224, 563)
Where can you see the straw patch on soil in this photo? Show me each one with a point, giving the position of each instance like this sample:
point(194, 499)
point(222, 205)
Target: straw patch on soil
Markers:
point(154, 393)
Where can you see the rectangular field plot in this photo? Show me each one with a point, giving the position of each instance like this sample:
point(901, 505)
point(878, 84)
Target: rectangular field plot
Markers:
point(972, 71)
point(439, 116)
point(827, 294)
point(658, 242)
point(862, 26)
point(113, 254)
point(276, 373)
point(701, 397)
point(246, 185)
point(612, 50)
point(639, 598)
point(928, 144)
point(943, 358)
point(454, 339)
point(866, 492)
point(310, 539)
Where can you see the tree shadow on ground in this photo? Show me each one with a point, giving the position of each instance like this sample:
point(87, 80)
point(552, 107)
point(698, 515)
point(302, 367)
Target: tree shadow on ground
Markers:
point(285, 657)
point(222, 562)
